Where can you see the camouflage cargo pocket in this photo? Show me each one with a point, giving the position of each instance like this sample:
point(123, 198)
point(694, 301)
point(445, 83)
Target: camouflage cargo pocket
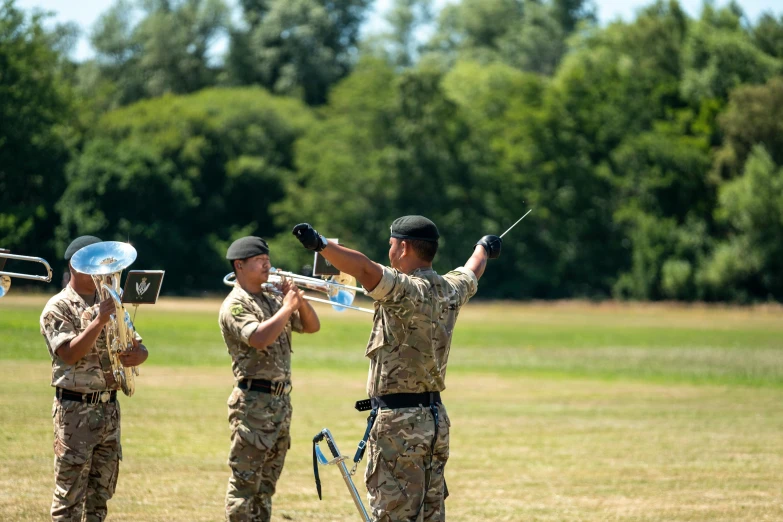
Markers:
point(257, 421)
point(73, 439)
point(400, 464)
point(72, 457)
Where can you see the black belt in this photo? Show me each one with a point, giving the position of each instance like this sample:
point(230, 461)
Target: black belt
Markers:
point(395, 401)
point(391, 401)
point(260, 385)
point(89, 398)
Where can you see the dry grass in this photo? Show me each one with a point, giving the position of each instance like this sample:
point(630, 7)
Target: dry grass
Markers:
point(522, 449)
point(561, 412)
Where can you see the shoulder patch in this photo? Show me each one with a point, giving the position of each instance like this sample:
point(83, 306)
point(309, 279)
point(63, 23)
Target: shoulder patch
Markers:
point(236, 310)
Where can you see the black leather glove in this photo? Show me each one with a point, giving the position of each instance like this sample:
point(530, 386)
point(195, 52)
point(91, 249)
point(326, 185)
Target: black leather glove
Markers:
point(492, 245)
point(309, 237)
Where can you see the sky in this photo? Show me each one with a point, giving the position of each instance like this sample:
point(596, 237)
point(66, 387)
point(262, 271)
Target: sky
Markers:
point(86, 12)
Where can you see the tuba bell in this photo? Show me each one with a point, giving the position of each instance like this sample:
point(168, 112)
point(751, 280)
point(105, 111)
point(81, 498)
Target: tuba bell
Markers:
point(105, 262)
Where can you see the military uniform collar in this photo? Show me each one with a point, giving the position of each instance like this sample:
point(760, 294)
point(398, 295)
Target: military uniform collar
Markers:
point(423, 272)
point(242, 292)
point(73, 295)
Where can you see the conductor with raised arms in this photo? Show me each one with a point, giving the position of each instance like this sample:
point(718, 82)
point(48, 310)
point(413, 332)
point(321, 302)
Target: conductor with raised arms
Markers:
point(415, 313)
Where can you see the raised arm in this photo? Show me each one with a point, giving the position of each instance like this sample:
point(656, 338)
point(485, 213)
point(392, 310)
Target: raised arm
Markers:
point(368, 273)
point(477, 262)
point(488, 247)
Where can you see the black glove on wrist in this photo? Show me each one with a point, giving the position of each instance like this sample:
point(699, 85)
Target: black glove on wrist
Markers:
point(309, 238)
point(491, 245)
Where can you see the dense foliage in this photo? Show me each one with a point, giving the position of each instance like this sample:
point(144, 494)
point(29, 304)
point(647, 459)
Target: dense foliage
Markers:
point(651, 150)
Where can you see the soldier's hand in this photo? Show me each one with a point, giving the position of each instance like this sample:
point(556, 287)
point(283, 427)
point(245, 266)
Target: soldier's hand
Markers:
point(286, 285)
point(294, 299)
point(135, 356)
point(309, 237)
point(105, 311)
point(491, 245)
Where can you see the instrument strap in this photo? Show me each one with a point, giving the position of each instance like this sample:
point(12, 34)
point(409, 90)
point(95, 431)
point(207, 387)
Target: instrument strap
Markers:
point(363, 443)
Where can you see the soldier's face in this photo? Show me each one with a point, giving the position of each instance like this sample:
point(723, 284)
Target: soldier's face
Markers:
point(395, 252)
point(82, 283)
point(256, 269)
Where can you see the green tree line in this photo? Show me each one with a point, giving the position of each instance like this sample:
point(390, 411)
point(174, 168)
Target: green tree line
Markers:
point(651, 150)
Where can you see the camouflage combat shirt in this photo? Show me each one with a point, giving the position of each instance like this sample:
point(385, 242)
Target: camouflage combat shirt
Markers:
point(64, 317)
point(240, 316)
point(411, 336)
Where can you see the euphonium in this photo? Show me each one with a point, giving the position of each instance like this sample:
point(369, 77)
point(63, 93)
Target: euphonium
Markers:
point(105, 262)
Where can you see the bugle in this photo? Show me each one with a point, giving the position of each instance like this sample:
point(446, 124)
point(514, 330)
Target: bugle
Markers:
point(5, 277)
point(339, 291)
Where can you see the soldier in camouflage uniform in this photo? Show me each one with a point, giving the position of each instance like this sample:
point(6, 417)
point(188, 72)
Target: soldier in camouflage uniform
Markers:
point(256, 325)
point(415, 313)
point(86, 413)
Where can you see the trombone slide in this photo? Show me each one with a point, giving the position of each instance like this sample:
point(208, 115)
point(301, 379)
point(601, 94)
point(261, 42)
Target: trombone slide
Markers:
point(46, 278)
point(5, 277)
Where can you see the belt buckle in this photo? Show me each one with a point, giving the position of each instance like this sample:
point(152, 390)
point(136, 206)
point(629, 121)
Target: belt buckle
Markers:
point(92, 398)
point(105, 396)
point(278, 388)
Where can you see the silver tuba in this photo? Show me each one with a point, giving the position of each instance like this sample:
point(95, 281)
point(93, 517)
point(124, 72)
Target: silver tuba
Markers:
point(5, 277)
point(105, 262)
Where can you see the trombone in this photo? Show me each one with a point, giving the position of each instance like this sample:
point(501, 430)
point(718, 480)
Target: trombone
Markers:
point(5, 277)
point(339, 291)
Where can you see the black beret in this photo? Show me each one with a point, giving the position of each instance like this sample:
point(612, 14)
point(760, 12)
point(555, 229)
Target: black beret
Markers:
point(79, 243)
point(245, 247)
point(414, 227)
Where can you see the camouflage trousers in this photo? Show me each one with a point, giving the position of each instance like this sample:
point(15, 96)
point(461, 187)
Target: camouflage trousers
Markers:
point(400, 468)
point(87, 456)
point(260, 438)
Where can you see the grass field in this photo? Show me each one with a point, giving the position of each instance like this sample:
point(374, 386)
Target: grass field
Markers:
point(563, 411)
